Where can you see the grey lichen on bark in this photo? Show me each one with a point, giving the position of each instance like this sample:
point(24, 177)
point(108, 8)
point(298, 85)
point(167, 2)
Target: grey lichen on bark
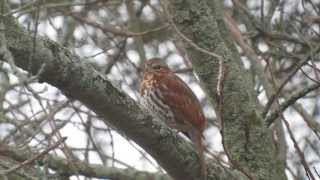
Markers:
point(245, 136)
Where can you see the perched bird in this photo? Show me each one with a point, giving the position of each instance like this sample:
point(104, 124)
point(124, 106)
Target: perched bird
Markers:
point(168, 98)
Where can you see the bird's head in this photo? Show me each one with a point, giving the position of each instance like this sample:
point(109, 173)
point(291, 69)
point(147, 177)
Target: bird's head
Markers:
point(155, 65)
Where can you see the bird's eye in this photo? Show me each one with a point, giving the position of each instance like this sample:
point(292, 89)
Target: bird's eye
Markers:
point(157, 66)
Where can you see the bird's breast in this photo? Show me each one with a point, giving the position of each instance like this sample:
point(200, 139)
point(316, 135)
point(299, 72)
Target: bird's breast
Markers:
point(150, 82)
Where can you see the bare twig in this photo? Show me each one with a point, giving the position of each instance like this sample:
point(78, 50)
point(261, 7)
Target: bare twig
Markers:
point(276, 94)
point(280, 114)
point(31, 160)
point(300, 153)
point(291, 100)
point(111, 29)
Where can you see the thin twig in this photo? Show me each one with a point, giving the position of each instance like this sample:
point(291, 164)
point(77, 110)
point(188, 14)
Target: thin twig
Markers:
point(31, 160)
point(276, 94)
point(300, 153)
point(274, 115)
point(28, 7)
point(316, 172)
point(111, 29)
point(280, 114)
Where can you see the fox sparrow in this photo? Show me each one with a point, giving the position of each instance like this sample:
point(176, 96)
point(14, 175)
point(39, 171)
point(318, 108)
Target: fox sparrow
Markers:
point(168, 98)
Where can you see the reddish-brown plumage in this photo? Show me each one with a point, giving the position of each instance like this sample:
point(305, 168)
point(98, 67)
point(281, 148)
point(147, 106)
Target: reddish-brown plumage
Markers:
point(168, 98)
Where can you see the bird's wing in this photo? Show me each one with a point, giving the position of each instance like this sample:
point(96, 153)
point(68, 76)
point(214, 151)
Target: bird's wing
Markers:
point(185, 105)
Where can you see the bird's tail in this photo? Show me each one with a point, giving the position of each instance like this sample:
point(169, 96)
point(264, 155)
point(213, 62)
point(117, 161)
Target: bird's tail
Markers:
point(196, 138)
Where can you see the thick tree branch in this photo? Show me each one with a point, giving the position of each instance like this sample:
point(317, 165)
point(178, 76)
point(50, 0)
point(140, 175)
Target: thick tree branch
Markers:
point(78, 80)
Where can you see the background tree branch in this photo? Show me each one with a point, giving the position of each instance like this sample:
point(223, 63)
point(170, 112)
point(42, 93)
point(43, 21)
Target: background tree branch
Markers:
point(65, 168)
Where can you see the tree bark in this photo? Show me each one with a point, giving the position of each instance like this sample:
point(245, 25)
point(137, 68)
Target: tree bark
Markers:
point(246, 137)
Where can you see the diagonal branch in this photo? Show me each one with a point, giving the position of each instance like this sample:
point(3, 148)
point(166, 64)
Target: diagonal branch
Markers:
point(291, 100)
